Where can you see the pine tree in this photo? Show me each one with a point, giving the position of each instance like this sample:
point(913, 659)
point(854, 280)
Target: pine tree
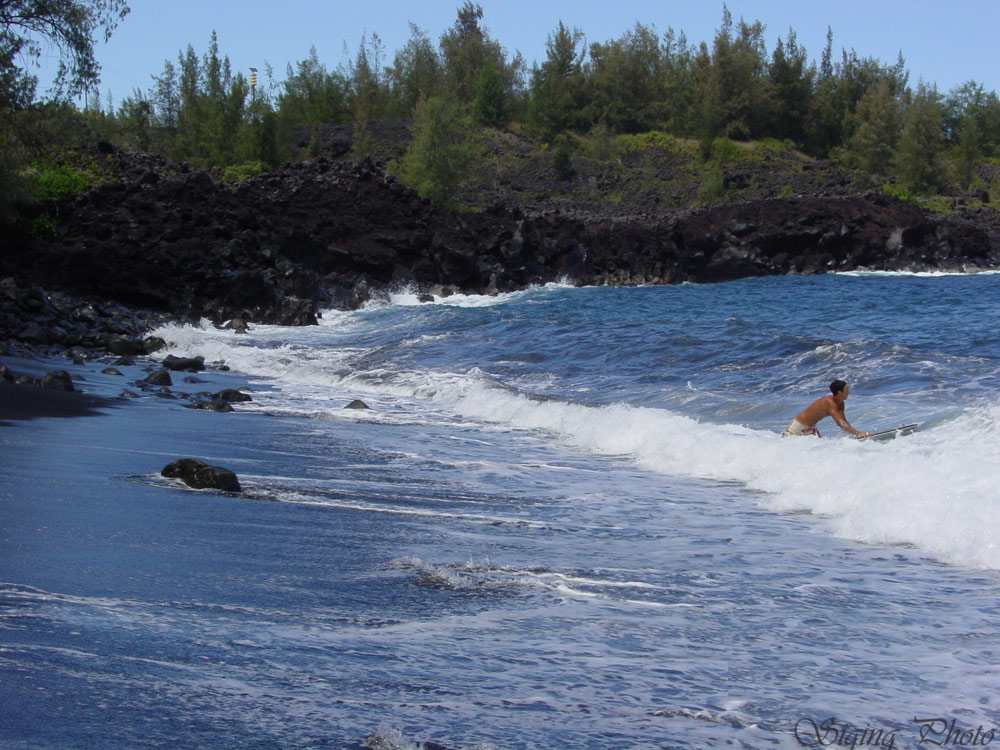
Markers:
point(874, 141)
point(489, 106)
point(416, 74)
point(368, 99)
point(467, 50)
point(920, 147)
point(733, 88)
point(439, 157)
point(968, 154)
point(791, 89)
point(556, 96)
point(312, 95)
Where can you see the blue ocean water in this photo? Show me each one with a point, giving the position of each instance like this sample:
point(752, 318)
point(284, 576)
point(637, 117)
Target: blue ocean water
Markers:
point(566, 521)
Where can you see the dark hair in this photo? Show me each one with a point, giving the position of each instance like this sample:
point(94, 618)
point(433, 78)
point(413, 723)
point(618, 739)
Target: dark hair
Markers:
point(837, 386)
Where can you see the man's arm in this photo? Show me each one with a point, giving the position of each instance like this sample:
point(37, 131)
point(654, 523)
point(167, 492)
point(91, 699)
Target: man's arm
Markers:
point(841, 420)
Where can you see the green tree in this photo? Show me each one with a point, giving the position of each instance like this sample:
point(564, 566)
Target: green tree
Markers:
point(208, 105)
point(367, 87)
point(191, 123)
point(922, 141)
point(839, 90)
point(313, 95)
point(733, 90)
point(29, 28)
point(17, 89)
point(258, 139)
point(971, 104)
point(165, 98)
point(877, 131)
point(467, 50)
point(416, 73)
point(439, 157)
point(562, 161)
point(968, 154)
point(677, 109)
point(69, 26)
point(134, 119)
point(556, 92)
point(489, 105)
point(791, 86)
point(15, 191)
point(625, 82)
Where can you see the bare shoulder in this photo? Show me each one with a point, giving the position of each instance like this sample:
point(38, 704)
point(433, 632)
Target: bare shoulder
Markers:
point(825, 402)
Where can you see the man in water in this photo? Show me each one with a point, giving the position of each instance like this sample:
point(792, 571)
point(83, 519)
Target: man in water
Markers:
point(826, 406)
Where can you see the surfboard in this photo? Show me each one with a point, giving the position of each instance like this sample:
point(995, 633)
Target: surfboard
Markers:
point(905, 429)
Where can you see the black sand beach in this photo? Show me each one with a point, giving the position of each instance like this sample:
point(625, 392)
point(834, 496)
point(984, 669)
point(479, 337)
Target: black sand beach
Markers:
point(21, 402)
point(136, 611)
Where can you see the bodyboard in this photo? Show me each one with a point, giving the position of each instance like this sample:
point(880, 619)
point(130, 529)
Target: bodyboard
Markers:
point(905, 429)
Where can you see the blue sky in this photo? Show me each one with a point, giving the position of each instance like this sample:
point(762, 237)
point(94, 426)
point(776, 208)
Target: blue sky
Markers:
point(946, 43)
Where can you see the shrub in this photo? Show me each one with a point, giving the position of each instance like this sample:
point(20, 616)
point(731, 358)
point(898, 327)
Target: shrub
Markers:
point(440, 157)
point(15, 187)
point(601, 146)
point(712, 186)
point(55, 183)
point(726, 151)
point(244, 171)
point(561, 161)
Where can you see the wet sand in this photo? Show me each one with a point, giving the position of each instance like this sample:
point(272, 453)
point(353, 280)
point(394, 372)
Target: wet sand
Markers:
point(19, 402)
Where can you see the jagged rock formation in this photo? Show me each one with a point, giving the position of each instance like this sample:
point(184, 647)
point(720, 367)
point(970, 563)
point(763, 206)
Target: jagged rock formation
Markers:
point(277, 247)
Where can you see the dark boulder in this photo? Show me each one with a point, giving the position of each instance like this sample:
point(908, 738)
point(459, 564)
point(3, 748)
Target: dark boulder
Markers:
point(186, 364)
point(357, 404)
point(35, 334)
point(201, 476)
point(233, 396)
point(152, 344)
point(123, 346)
point(159, 377)
point(216, 404)
point(58, 380)
point(293, 311)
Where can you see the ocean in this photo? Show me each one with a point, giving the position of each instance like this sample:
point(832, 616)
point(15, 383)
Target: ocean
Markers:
point(567, 520)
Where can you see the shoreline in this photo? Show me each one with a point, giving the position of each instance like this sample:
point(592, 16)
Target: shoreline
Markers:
point(101, 383)
point(26, 402)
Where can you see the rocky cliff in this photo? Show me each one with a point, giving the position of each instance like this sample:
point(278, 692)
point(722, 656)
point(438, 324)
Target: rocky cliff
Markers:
point(280, 246)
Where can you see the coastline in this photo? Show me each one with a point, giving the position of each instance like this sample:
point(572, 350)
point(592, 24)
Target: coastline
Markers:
point(413, 575)
point(24, 402)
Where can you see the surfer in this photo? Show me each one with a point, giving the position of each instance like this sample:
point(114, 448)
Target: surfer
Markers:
point(825, 406)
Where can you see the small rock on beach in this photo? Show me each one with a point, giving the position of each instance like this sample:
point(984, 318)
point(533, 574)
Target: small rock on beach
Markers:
point(201, 476)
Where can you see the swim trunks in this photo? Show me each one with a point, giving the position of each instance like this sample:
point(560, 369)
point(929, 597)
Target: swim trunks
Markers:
point(796, 428)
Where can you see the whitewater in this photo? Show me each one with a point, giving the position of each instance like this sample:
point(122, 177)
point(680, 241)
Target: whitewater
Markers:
point(693, 381)
point(568, 520)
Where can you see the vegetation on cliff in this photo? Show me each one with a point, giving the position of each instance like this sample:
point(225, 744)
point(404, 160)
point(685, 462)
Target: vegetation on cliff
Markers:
point(638, 124)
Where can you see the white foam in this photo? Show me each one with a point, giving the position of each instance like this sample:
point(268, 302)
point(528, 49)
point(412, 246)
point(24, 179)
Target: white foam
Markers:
point(921, 274)
point(409, 297)
point(934, 489)
point(483, 574)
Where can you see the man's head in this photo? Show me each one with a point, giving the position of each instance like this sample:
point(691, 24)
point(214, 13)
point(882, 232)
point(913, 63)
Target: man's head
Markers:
point(837, 386)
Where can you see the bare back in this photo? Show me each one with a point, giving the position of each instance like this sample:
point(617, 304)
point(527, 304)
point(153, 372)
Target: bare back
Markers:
point(825, 406)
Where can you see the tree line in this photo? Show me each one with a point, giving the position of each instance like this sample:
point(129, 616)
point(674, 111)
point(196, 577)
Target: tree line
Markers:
point(859, 110)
